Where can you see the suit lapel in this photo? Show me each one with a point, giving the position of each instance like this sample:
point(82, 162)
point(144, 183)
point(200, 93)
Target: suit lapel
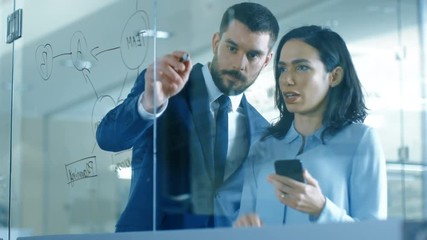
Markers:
point(200, 109)
point(253, 125)
point(256, 123)
point(201, 116)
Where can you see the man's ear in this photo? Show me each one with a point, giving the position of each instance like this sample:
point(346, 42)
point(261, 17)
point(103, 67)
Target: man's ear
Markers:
point(215, 42)
point(268, 59)
point(336, 76)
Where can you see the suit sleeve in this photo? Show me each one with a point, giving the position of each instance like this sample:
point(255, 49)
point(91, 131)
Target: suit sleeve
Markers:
point(249, 192)
point(121, 126)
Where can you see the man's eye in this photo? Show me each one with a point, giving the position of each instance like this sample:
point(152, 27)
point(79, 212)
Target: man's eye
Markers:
point(252, 55)
point(232, 49)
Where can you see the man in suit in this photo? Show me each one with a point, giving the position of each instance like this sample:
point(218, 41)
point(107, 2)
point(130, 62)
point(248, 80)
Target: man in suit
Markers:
point(195, 186)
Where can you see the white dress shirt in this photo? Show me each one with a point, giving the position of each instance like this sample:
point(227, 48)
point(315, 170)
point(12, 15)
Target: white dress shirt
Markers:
point(238, 141)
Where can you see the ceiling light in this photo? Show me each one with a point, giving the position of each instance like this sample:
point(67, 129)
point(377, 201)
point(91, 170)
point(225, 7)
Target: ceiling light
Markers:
point(150, 33)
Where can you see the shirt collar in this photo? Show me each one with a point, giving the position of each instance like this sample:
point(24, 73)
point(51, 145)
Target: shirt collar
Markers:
point(214, 92)
point(292, 134)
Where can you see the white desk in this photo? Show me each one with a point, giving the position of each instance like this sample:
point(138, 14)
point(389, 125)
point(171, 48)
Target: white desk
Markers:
point(370, 230)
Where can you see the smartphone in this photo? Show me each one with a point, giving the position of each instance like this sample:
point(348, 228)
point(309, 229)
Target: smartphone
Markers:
point(289, 168)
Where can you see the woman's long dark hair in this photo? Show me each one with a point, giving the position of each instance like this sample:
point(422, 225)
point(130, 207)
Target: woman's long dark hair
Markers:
point(345, 102)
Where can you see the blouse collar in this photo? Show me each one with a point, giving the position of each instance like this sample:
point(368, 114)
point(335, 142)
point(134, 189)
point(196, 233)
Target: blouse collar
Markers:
point(293, 134)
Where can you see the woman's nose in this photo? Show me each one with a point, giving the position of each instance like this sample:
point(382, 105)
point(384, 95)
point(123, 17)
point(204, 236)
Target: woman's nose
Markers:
point(286, 79)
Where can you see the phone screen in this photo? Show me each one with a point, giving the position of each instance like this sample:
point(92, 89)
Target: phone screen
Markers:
point(290, 168)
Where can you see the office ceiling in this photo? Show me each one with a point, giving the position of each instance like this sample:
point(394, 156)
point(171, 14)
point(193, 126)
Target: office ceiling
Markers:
point(191, 24)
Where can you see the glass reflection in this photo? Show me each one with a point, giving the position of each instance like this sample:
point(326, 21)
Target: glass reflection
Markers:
point(76, 63)
point(200, 147)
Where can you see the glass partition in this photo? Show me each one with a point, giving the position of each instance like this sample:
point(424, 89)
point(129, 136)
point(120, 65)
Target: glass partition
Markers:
point(78, 60)
point(75, 61)
point(6, 68)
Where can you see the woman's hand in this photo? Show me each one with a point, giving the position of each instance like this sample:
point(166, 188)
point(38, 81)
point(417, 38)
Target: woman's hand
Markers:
point(249, 220)
point(306, 197)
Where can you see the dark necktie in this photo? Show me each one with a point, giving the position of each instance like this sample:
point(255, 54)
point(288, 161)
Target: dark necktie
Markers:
point(221, 138)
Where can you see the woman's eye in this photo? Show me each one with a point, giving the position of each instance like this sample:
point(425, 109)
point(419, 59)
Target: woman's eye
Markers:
point(281, 69)
point(302, 68)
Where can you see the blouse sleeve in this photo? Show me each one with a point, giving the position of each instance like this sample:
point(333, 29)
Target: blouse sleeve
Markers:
point(367, 185)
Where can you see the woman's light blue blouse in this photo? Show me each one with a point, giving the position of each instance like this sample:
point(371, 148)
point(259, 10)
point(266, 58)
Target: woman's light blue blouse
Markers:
point(349, 167)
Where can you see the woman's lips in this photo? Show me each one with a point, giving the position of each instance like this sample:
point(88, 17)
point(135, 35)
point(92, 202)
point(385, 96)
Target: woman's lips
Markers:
point(291, 97)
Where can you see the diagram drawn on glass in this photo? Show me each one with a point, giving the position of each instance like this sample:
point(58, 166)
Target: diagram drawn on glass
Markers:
point(133, 47)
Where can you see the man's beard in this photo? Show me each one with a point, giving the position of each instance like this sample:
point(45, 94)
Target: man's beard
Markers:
point(232, 88)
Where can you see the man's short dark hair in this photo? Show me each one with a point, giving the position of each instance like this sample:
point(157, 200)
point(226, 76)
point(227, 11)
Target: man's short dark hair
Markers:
point(255, 16)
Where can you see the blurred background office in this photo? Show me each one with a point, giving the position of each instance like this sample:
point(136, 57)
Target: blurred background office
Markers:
point(75, 60)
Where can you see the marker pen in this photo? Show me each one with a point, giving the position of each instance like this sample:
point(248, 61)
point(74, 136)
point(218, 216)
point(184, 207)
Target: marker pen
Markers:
point(185, 57)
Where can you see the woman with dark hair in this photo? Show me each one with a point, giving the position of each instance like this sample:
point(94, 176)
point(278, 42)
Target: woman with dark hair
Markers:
point(322, 110)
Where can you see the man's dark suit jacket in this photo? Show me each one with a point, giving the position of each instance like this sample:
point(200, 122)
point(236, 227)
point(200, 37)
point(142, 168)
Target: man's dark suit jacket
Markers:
point(184, 160)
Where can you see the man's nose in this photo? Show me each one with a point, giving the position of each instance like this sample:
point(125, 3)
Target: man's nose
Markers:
point(241, 62)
